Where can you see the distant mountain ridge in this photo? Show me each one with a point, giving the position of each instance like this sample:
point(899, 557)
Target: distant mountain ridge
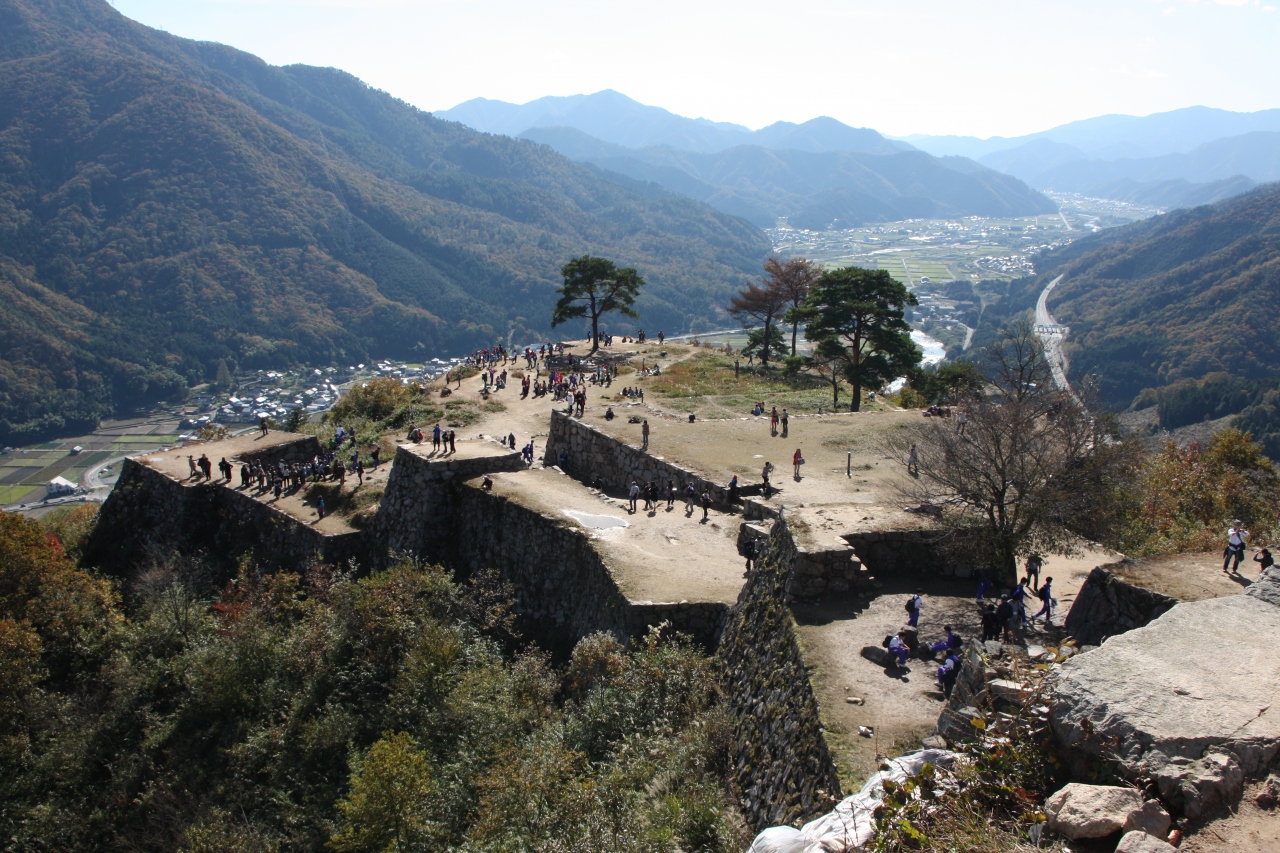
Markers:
point(614, 118)
point(1172, 159)
point(819, 174)
point(814, 190)
point(167, 205)
point(1112, 137)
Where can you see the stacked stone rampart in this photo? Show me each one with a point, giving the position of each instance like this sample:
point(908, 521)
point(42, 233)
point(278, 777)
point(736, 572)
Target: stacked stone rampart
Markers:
point(781, 760)
point(150, 512)
point(591, 453)
point(886, 552)
point(418, 514)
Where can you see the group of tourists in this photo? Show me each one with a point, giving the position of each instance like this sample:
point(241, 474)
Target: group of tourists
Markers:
point(443, 441)
point(653, 493)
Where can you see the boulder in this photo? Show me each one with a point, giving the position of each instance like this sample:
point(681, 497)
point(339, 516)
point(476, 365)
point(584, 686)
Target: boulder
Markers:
point(956, 724)
point(1198, 787)
point(1091, 811)
point(1008, 691)
point(1140, 842)
point(1151, 819)
point(1105, 607)
point(1200, 676)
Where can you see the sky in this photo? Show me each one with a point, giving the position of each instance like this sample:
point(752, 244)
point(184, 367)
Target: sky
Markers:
point(969, 67)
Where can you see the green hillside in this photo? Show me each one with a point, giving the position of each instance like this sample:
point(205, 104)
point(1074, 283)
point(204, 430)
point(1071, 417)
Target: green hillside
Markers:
point(166, 204)
point(1172, 298)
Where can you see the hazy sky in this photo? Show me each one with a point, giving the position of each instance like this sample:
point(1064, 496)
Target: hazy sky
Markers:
point(980, 67)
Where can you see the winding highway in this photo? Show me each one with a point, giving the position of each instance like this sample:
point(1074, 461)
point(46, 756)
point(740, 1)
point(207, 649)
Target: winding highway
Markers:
point(1051, 334)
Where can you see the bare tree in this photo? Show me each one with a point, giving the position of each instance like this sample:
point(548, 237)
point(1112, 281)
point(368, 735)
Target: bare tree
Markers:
point(758, 305)
point(1022, 467)
point(794, 278)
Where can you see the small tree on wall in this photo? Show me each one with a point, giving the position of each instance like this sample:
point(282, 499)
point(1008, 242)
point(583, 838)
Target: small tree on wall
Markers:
point(594, 287)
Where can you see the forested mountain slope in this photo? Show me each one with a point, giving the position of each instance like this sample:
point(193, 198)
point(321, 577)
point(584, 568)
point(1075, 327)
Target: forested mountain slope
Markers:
point(167, 204)
point(1174, 297)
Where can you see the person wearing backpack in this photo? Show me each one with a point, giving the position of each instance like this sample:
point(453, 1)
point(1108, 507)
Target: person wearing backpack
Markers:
point(913, 605)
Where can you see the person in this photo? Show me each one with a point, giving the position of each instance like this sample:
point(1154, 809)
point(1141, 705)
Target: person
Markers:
point(262, 425)
point(733, 490)
point(750, 550)
point(897, 648)
point(453, 441)
point(797, 460)
point(650, 491)
point(245, 473)
point(990, 623)
point(690, 494)
point(914, 605)
point(608, 414)
point(948, 673)
point(1006, 617)
point(706, 505)
point(1045, 594)
point(785, 421)
point(1263, 559)
point(358, 467)
point(1034, 563)
point(511, 440)
point(340, 471)
point(765, 473)
point(487, 483)
point(773, 421)
point(436, 434)
point(1019, 599)
point(320, 509)
point(983, 585)
point(1235, 547)
point(191, 462)
point(377, 451)
point(671, 495)
point(644, 434)
point(913, 468)
point(633, 495)
point(205, 466)
point(757, 410)
point(951, 641)
point(962, 421)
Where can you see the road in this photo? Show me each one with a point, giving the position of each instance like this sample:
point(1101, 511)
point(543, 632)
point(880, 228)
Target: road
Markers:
point(1051, 335)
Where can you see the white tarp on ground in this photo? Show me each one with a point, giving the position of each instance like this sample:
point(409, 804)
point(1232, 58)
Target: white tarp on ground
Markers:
point(850, 825)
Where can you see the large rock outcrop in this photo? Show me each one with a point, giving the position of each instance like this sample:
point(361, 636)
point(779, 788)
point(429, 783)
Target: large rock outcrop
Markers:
point(1201, 680)
point(1107, 607)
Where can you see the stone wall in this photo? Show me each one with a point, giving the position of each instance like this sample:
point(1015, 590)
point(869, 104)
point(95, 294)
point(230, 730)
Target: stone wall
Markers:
point(418, 514)
point(885, 552)
point(564, 590)
point(781, 761)
point(150, 513)
point(591, 453)
point(304, 449)
point(1106, 607)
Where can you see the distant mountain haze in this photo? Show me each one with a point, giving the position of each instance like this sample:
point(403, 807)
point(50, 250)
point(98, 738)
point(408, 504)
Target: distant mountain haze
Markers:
point(613, 117)
point(1111, 137)
point(818, 174)
point(167, 204)
point(1187, 156)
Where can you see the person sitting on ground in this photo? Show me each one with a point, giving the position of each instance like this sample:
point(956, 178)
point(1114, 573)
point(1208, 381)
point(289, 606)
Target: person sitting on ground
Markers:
point(951, 641)
point(608, 414)
point(487, 483)
point(897, 648)
point(1263, 559)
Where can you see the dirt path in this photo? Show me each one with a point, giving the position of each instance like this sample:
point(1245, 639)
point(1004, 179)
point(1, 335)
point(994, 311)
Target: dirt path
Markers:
point(901, 707)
